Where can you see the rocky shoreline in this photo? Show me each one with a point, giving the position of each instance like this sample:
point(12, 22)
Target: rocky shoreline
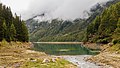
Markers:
point(109, 57)
point(108, 60)
point(79, 61)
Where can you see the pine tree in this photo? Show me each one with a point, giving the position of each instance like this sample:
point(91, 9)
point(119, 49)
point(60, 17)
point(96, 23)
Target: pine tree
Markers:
point(116, 36)
point(4, 30)
point(12, 33)
point(21, 30)
point(104, 27)
point(11, 28)
point(0, 9)
point(24, 33)
point(1, 28)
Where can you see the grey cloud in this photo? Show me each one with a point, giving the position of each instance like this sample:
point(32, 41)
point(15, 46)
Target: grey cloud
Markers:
point(66, 9)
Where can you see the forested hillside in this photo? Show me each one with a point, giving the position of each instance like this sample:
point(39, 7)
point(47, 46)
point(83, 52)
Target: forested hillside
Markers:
point(106, 27)
point(101, 24)
point(12, 28)
point(58, 30)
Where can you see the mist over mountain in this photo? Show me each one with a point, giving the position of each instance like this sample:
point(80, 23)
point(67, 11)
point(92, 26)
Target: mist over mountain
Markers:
point(64, 30)
point(65, 9)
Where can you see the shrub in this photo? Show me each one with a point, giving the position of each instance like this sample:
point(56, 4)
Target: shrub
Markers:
point(115, 41)
point(4, 42)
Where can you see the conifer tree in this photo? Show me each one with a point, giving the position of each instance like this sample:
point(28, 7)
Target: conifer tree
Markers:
point(24, 33)
point(12, 33)
point(4, 30)
point(11, 28)
point(105, 28)
point(1, 29)
point(116, 35)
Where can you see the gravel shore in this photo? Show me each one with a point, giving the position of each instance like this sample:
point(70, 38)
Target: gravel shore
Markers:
point(79, 61)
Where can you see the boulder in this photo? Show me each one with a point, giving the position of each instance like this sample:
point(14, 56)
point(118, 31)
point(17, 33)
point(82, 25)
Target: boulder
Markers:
point(110, 44)
point(46, 61)
point(54, 59)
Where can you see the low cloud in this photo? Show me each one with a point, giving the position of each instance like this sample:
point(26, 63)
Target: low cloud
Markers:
point(65, 9)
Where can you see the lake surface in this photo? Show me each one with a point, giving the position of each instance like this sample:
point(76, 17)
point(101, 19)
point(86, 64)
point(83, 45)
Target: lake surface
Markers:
point(63, 49)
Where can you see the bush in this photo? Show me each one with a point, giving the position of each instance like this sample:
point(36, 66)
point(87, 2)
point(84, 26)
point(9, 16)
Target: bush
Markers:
point(104, 41)
point(4, 42)
point(115, 41)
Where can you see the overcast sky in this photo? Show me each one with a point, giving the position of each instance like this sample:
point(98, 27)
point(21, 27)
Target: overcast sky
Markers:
point(68, 9)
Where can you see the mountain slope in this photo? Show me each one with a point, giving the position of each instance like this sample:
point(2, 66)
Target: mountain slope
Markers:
point(105, 27)
point(64, 30)
point(57, 30)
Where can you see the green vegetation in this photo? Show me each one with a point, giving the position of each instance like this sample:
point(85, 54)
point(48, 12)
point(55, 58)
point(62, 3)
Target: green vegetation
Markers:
point(116, 35)
point(60, 63)
point(57, 30)
point(100, 27)
point(115, 48)
point(105, 27)
point(12, 28)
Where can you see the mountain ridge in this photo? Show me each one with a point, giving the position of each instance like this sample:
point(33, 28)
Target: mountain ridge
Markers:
point(64, 30)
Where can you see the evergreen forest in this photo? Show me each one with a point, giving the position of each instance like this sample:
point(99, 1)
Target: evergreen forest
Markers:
point(12, 28)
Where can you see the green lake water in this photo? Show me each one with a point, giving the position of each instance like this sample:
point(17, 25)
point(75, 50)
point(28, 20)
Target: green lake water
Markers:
point(63, 49)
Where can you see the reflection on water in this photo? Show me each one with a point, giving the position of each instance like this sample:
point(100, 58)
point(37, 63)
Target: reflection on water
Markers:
point(62, 49)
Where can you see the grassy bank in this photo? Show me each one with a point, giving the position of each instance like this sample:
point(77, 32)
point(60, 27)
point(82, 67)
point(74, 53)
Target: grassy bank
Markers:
point(17, 54)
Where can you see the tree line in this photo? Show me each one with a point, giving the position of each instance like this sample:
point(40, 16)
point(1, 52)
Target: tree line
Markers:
point(12, 28)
